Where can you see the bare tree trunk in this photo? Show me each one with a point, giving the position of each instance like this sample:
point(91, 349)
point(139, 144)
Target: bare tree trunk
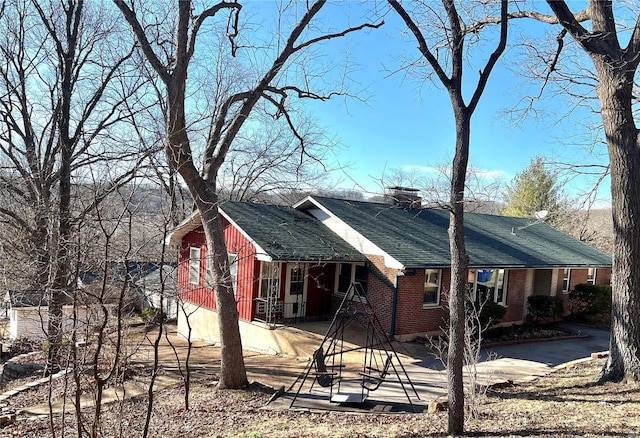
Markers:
point(459, 271)
point(60, 285)
point(616, 67)
point(232, 369)
point(615, 94)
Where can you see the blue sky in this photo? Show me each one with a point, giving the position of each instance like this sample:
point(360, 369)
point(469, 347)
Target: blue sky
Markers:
point(407, 124)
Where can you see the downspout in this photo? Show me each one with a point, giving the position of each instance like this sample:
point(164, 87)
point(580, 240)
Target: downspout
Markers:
point(394, 304)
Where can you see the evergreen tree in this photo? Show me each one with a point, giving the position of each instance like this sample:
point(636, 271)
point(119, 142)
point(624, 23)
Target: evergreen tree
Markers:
point(534, 189)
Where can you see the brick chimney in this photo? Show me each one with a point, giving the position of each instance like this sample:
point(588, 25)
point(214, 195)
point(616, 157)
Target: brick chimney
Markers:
point(403, 197)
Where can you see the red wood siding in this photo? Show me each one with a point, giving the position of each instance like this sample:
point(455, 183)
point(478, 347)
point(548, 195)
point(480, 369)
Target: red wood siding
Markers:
point(245, 292)
point(202, 295)
point(320, 283)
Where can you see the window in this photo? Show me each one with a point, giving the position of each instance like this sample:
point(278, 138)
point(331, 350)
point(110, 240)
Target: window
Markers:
point(344, 277)
point(591, 276)
point(194, 265)
point(432, 287)
point(362, 277)
point(501, 287)
point(566, 277)
point(269, 280)
point(232, 259)
point(488, 284)
point(347, 273)
point(296, 282)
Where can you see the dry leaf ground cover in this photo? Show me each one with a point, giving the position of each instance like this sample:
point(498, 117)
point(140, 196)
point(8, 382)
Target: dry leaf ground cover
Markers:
point(565, 403)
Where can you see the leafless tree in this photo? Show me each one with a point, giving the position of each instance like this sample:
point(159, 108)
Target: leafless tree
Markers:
point(63, 85)
point(171, 63)
point(441, 44)
point(614, 80)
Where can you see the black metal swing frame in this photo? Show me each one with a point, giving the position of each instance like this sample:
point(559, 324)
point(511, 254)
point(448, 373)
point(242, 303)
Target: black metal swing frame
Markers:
point(380, 357)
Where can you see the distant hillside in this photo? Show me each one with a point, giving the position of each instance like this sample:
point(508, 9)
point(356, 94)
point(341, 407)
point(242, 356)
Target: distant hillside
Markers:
point(599, 230)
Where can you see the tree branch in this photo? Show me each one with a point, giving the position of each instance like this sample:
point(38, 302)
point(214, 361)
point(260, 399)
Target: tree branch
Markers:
point(145, 45)
point(502, 44)
point(543, 18)
point(422, 43)
point(338, 34)
point(568, 20)
point(210, 12)
point(632, 49)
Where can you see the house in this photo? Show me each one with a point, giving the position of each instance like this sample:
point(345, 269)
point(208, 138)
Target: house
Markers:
point(159, 290)
point(122, 276)
point(28, 314)
point(409, 260)
point(285, 265)
point(293, 263)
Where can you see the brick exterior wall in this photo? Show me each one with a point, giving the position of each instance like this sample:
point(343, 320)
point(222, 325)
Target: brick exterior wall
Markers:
point(380, 290)
point(412, 317)
point(578, 276)
point(515, 296)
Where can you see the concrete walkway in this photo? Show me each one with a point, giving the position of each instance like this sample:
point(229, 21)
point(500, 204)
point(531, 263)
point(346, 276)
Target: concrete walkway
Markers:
point(517, 363)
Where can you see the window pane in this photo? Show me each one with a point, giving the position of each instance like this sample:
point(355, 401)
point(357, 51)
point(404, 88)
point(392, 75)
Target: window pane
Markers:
point(268, 280)
point(296, 286)
point(344, 277)
point(432, 286)
point(486, 285)
point(362, 276)
point(501, 286)
point(194, 265)
point(565, 280)
point(233, 271)
point(591, 276)
point(471, 283)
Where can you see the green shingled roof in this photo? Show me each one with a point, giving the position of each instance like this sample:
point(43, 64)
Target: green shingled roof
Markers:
point(285, 233)
point(418, 238)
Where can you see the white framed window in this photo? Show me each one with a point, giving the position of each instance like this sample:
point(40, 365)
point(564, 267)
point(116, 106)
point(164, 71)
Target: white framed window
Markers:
point(297, 274)
point(432, 287)
point(194, 265)
point(488, 284)
point(591, 275)
point(269, 280)
point(566, 280)
point(347, 273)
point(232, 259)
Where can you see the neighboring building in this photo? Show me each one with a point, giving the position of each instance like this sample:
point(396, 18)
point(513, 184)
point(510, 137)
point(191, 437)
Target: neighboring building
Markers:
point(123, 277)
point(295, 262)
point(159, 289)
point(28, 315)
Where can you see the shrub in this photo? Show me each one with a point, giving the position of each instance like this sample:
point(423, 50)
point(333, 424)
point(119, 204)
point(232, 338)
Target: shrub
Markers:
point(25, 345)
point(590, 300)
point(543, 307)
point(490, 314)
